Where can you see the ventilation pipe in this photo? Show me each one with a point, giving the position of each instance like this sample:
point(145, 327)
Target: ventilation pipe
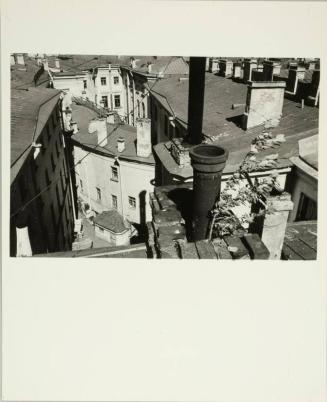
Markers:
point(196, 99)
point(208, 162)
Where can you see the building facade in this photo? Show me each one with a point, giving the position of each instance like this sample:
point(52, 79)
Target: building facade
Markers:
point(41, 204)
point(112, 172)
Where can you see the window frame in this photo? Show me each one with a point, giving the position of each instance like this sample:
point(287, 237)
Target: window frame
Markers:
point(114, 201)
point(98, 191)
point(117, 97)
point(116, 78)
point(114, 173)
point(103, 81)
point(131, 202)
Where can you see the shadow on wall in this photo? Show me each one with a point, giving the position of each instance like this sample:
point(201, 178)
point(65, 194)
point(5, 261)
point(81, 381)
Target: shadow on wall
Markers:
point(182, 197)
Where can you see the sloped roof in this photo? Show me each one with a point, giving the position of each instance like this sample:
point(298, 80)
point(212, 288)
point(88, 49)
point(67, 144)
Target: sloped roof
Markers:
point(30, 110)
point(83, 115)
point(221, 122)
point(112, 220)
point(22, 77)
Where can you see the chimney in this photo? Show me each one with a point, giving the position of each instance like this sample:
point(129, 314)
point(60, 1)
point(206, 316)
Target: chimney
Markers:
point(20, 59)
point(109, 65)
point(295, 73)
point(213, 65)
point(143, 138)
point(92, 126)
point(111, 118)
point(132, 62)
point(45, 64)
point(196, 99)
point(73, 126)
point(208, 162)
point(121, 144)
point(23, 244)
point(102, 132)
point(270, 68)
point(249, 65)
point(38, 60)
point(57, 63)
point(149, 67)
point(264, 104)
point(12, 60)
point(84, 95)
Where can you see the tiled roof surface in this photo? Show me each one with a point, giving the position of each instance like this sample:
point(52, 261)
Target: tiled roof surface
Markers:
point(83, 115)
point(23, 76)
point(300, 241)
point(220, 121)
point(30, 111)
point(112, 220)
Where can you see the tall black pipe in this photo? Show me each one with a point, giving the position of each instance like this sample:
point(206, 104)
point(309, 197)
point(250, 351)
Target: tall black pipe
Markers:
point(196, 99)
point(208, 162)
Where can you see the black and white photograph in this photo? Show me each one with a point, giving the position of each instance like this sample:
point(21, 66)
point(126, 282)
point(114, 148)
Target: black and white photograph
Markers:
point(164, 157)
point(162, 225)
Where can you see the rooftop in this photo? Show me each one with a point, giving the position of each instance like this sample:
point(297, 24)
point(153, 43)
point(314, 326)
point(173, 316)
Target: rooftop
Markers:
point(22, 77)
point(221, 123)
point(30, 110)
point(112, 220)
point(300, 241)
point(83, 115)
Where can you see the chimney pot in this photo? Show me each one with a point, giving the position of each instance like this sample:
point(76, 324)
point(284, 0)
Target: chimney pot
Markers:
point(57, 63)
point(208, 162)
point(121, 144)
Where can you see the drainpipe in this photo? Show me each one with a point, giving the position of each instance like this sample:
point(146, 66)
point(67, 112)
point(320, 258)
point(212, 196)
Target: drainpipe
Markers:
point(208, 162)
point(196, 99)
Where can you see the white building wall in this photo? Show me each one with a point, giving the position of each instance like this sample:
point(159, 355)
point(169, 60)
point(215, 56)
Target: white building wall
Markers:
point(73, 84)
point(133, 179)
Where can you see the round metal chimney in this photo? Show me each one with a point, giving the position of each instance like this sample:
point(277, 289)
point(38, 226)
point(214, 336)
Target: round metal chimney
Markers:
point(208, 162)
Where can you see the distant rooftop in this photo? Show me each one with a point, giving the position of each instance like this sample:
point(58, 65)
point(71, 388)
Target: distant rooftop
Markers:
point(112, 220)
point(221, 124)
point(22, 76)
point(30, 110)
point(83, 115)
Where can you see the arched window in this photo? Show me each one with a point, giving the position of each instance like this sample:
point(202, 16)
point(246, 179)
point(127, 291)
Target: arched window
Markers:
point(143, 110)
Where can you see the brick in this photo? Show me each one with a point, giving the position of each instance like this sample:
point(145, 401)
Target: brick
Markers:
point(168, 217)
point(205, 250)
point(256, 247)
point(187, 250)
point(236, 248)
point(221, 249)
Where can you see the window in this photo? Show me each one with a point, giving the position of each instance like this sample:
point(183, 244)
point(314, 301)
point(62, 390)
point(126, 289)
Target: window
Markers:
point(114, 201)
point(307, 210)
point(116, 80)
point(138, 109)
point(98, 193)
point(143, 110)
point(114, 173)
point(103, 81)
point(105, 101)
point(166, 125)
point(117, 100)
point(81, 184)
point(85, 84)
point(132, 202)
